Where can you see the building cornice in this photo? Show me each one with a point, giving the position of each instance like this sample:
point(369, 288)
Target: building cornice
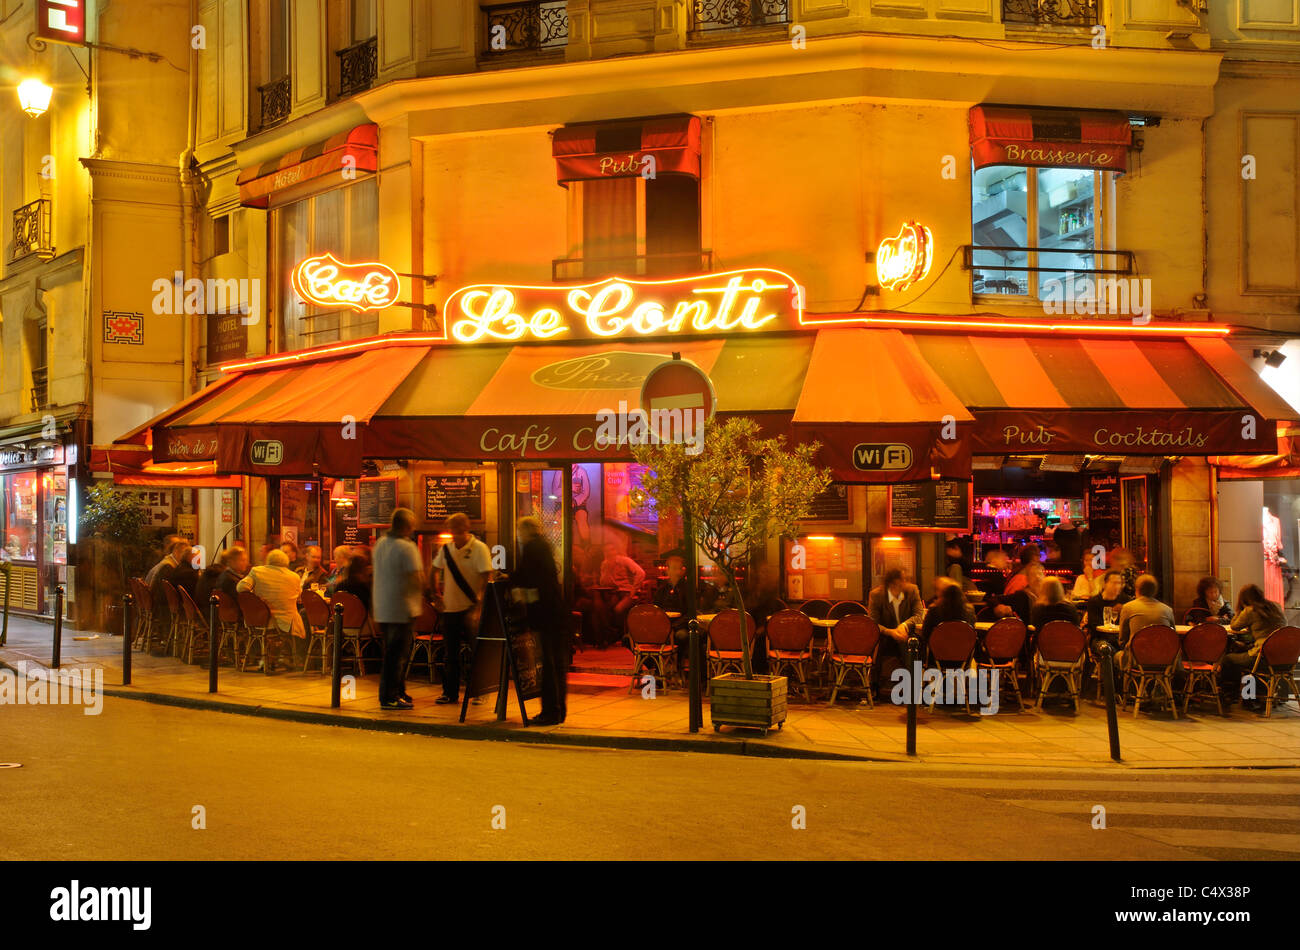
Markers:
point(132, 171)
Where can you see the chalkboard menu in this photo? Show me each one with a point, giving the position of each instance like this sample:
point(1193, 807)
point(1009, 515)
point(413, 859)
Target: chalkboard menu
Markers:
point(376, 502)
point(526, 648)
point(832, 504)
point(942, 505)
point(447, 494)
point(1103, 498)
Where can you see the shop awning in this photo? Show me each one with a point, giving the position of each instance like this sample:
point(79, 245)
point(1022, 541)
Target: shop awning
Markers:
point(1134, 396)
point(134, 465)
point(1285, 463)
point(620, 149)
point(352, 151)
point(1051, 138)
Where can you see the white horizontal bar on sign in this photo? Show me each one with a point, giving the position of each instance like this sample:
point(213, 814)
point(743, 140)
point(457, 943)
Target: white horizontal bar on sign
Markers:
point(688, 401)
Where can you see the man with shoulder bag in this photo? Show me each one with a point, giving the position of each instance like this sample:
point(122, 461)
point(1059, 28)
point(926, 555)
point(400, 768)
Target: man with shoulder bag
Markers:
point(462, 568)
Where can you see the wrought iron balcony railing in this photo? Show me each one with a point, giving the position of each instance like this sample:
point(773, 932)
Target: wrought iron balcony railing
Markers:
point(710, 15)
point(992, 270)
point(277, 99)
point(40, 388)
point(32, 230)
point(358, 65)
point(537, 26)
point(1051, 12)
point(645, 265)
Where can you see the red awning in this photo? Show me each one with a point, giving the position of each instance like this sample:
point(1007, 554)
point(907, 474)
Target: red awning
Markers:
point(347, 152)
point(1285, 463)
point(1050, 138)
point(134, 465)
point(620, 149)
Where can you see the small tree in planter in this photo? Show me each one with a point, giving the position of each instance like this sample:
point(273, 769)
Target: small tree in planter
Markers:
point(118, 519)
point(736, 493)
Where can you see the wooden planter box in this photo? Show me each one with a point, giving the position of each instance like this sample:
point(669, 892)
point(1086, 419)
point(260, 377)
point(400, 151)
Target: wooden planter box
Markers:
point(758, 703)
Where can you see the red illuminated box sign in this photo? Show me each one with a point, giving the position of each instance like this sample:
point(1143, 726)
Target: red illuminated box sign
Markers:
point(61, 21)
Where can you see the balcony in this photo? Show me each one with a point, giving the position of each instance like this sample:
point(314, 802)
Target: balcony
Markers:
point(710, 16)
point(358, 65)
point(539, 26)
point(679, 264)
point(277, 98)
point(1082, 13)
point(40, 388)
point(32, 230)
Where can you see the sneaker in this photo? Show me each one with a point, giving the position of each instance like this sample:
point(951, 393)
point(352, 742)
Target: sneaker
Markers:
point(407, 698)
point(397, 704)
point(444, 699)
point(476, 701)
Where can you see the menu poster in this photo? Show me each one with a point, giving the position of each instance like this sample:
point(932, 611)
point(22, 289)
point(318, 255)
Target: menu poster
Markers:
point(828, 567)
point(832, 505)
point(888, 553)
point(447, 494)
point(943, 505)
point(376, 502)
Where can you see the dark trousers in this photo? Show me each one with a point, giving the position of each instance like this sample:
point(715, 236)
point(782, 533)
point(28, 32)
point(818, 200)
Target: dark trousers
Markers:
point(397, 650)
point(454, 633)
point(555, 672)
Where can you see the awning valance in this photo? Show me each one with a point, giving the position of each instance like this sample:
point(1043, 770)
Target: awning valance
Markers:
point(625, 149)
point(1050, 138)
point(134, 465)
point(347, 152)
point(1285, 463)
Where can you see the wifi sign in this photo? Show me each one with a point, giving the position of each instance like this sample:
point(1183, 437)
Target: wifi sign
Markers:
point(882, 456)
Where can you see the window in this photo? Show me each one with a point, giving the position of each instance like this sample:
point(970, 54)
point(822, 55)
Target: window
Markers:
point(1068, 207)
point(280, 20)
point(363, 20)
point(639, 226)
point(343, 222)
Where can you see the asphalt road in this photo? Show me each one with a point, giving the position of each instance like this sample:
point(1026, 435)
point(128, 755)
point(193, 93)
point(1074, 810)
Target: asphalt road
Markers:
point(125, 785)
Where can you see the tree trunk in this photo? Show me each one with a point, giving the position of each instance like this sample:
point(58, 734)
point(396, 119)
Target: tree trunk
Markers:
point(746, 659)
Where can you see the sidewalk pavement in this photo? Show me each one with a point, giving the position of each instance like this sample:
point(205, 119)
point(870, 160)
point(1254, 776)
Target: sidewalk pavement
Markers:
point(602, 712)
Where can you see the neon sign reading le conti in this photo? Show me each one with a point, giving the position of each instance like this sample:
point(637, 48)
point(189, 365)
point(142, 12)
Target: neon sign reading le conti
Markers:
point(739, 301)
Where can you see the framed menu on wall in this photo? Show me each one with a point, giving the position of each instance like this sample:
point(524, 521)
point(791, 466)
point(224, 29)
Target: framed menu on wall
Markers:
point(942, 505)
point(376, 502)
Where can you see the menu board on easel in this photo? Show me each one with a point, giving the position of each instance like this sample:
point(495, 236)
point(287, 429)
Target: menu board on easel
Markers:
point(942, 505)
point(376, 502)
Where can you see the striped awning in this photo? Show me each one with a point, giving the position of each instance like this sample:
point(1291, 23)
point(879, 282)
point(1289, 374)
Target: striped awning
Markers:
point(339, 156)
point(623, 149)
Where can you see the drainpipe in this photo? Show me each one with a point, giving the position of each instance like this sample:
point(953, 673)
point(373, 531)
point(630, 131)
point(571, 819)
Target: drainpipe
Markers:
point(189, 222)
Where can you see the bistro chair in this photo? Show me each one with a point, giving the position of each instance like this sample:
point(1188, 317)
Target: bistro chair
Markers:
point(653, 646)
point(853, 643)
point(789, 645)
point(196, 627)
point(1275, 663)
point(951, 646)
point(258, 625)
point(1195, 615)
point(1062, 650)
point(427, 638)
point(357, 627)
point(724, 647)
point(1153, 652)
point(317, 612)
point(845, 608)
point(1001, 652)
point(1203, 650)
point(820, 609)
point(175, 620)
point(230, 622)
point(144, 614)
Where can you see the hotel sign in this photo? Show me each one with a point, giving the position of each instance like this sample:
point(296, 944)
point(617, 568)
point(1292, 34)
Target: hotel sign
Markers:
point(740, 301)
point(61, 21)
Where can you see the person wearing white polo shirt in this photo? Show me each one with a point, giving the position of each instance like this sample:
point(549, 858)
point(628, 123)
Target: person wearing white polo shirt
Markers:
point(462, 568)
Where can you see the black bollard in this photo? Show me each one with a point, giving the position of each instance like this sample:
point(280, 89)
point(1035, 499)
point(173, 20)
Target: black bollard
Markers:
point(214, 642)
point(696, 701)
point(913, 659)
point(59, 594)
point(127, 636)
point(336, 667)
point(1105, 652)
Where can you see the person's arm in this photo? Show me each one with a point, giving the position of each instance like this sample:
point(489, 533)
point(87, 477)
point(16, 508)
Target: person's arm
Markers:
point(1241, 621)
point(246, 582)
point(918, 607)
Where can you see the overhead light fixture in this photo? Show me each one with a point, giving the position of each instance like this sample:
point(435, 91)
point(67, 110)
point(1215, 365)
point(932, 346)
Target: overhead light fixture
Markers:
point(1180, 35)
point(1141, 464)
point(1061, 463)
point(986, 463)
point(34, 97)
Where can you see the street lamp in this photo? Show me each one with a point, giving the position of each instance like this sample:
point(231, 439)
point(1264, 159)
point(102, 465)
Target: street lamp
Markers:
point(34, 97)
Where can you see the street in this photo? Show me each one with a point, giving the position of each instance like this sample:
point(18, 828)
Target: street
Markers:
point(129, 783)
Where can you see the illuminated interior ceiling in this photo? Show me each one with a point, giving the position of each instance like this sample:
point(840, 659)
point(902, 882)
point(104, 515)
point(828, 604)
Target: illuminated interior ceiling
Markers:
point(1128, 464)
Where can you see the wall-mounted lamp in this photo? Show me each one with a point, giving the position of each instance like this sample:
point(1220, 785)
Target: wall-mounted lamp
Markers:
point(1274, 359)
point(34, 97)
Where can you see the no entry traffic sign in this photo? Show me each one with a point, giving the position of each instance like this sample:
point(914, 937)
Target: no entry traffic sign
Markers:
point(678, 398)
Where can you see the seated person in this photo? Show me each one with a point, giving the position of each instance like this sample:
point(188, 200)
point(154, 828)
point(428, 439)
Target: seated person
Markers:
point(897, 609)
point(236, 564)
point(625, 576)
point(1210, 599)
point(1111, 596)
point(1020, 603)
point(1142, 611)
point(1256, 618)
point(1052, 605)
point(356, 581)
point(342, 555)
point(1028, 559)
point(208, 582)
point(279, 587)
point(1088, 583)
point(311, 571)
point(949, 604)
point(291, 552)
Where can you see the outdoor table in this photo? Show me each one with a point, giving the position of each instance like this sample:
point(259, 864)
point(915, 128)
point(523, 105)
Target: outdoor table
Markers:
point(985, 625)
point(823, 623)
point(705, 619)
point(1181, 628)
point(672, 614)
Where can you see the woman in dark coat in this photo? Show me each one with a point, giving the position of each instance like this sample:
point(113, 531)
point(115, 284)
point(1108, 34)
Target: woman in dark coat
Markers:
point(536, 582)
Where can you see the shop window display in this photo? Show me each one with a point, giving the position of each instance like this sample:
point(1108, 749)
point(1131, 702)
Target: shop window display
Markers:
point(21, 516)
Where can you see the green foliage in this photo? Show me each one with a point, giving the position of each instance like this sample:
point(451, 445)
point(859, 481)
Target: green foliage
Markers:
point(118, 517)
point(736, 493)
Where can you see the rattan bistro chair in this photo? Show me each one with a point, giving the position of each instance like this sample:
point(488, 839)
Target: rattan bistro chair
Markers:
point(853, 643)
point(426, 638)
point(1001, 652)
point(175, 620)
point(818, 609)
point(1275, 664)
point(259, 625)
point(230, 621)
point(845, 608)
point(317, 612)
point(653, 646)
point(357, 628)
point(1062, 650)
point(1203, 650)
point(789, 645)
point(951, 646)
point(1153, 654)
point(196, 633)
point(143, 614)
point(724, 646)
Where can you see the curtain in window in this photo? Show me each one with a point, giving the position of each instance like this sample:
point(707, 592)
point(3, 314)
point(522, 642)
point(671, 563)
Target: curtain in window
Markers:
point(609, 234)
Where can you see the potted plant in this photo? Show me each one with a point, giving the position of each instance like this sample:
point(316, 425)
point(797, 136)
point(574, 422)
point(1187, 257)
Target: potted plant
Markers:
point(117, 520)
point(733, 494)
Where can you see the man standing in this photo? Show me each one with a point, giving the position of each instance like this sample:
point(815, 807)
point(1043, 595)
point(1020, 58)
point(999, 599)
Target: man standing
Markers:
point(398, 586)
point(462, 568)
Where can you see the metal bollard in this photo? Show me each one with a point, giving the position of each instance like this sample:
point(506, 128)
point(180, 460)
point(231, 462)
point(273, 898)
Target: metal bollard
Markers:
point(214, 642)
point(696, 701)
point(127, 636)
point(1106, 653)
point(336, 666)
point(913, 661)
point(59, 594)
